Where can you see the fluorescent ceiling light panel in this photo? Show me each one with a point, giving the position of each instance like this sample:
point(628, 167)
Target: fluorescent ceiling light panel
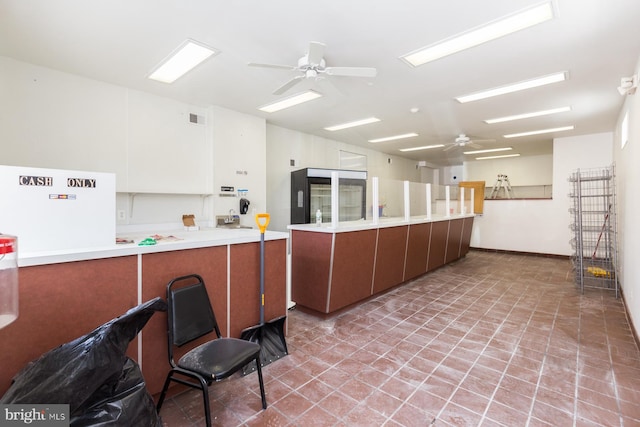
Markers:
point(393, 138)
point(499, 28)
point(528, 115)
point(515, 87)
point(490, 150)
point(497, 157)
point(353, 124)
point(291, 101)
point(537, 132)
point(183, 60)
point(424, 147)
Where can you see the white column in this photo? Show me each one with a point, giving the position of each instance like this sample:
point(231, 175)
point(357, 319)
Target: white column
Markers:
point(447, 201)
point(428, 195)
point(335, 194)
point(375, 209)
point(407, 202)
point(461, 197)
point(473, 199)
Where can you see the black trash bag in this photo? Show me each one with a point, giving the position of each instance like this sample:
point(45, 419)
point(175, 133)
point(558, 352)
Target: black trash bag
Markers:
point(93, 370)
point(126, 403)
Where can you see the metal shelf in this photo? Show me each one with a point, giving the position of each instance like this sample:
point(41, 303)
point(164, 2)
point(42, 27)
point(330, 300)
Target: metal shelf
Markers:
point(593, 210)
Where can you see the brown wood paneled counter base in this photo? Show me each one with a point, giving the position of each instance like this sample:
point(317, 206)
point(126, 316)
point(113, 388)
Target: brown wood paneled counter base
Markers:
point(334, 268)
point(60, 301)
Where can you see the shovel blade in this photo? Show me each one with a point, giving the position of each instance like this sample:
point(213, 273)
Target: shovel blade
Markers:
point(270, 336)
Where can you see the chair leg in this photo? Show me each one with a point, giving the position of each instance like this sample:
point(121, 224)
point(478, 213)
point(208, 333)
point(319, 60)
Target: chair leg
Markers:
point(262, 394)
point(205, 396)
point(164, 392)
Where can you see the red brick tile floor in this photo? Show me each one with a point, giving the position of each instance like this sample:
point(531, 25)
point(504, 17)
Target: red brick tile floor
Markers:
point(494, 339)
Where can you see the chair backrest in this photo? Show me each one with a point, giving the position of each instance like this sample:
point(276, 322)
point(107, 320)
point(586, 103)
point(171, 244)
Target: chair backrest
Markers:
point(190, 314)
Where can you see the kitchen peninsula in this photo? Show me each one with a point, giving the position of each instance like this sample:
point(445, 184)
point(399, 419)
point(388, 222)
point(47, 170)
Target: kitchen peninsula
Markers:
point(332, 268)
point(64, 294)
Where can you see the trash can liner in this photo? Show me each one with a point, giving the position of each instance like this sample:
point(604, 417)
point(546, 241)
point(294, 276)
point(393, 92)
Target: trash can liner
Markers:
point(92, 369)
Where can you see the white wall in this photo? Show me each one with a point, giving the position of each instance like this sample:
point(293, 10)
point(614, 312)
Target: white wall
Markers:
point(307, 150)
point(240, 161)
point(529, 170)
point(627, 162)
point(542, 226)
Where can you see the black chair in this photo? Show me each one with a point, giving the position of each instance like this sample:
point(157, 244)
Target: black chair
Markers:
point(190, 316)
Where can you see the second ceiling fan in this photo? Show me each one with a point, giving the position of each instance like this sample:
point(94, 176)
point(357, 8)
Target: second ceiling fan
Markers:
point(463, 140)
point(313, 66)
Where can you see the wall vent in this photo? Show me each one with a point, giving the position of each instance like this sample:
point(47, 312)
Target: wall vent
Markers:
point(196, 119)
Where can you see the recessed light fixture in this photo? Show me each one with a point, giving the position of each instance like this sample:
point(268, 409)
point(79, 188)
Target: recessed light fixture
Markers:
point(528, 115)
point(393, 138)
point(489, 150)
point(424, 147)
point(497, 157)
point(515, 87)
point(186, 57)
point(291, 101)
point(537, 132)
point(353, 124)
point(510, 24)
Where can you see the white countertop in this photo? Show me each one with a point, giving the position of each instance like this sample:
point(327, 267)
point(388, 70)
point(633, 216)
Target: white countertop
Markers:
point(362, 224)
point(185, 240)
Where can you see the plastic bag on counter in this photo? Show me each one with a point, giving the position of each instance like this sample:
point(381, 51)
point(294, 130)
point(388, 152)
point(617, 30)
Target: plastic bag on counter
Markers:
point(93, 375)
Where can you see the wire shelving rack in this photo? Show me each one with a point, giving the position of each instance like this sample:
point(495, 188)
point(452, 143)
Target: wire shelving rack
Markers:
point(593, 209)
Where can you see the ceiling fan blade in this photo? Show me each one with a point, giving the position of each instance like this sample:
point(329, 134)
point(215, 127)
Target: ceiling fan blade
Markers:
point(449, 147)
point(288, 85)
point(482, 140)
point(282, 67)
point(473, 145)
point(351, 71)
point(316, 53)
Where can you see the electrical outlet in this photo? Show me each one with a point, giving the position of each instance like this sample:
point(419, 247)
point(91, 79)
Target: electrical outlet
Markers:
point(122, 215)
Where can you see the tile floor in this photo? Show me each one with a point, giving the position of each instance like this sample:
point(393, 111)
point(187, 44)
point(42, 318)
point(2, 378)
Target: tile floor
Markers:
point(493, 339)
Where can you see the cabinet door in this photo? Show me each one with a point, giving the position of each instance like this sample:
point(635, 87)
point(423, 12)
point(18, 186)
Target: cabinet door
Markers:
point(478, 194)
point(167, 152)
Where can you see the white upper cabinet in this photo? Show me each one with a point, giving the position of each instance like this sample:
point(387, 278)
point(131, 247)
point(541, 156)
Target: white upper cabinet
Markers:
point(51, 119)
point(169, 146)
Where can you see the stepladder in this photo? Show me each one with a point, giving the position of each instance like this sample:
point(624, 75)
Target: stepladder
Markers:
point(502, 183)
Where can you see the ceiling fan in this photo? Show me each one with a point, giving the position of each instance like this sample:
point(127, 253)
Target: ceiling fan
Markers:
point(463, 140)
point(313, 66)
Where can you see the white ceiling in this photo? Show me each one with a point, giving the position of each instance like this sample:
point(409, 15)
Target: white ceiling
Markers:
point(120, 41)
